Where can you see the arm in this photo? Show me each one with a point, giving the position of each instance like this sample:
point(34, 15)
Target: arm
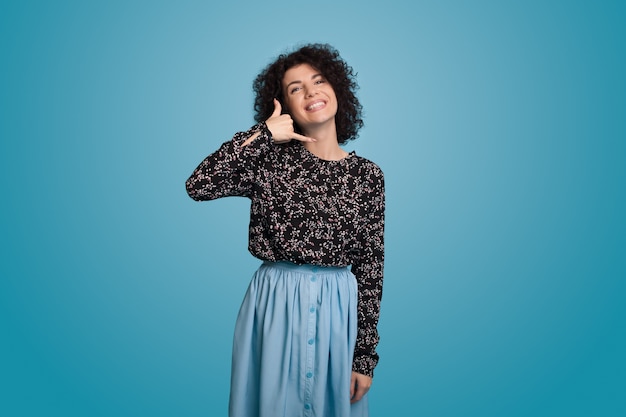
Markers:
point(229, 171)
point(368, 270)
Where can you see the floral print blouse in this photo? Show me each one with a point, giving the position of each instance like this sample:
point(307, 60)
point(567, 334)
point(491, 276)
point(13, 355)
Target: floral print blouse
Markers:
point(307, 210)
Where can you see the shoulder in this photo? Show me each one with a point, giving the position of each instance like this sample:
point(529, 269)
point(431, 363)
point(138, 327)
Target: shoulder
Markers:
point(368, 168)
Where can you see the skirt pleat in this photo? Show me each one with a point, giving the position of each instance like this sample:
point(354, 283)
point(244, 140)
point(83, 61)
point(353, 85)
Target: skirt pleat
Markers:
point(294, 342)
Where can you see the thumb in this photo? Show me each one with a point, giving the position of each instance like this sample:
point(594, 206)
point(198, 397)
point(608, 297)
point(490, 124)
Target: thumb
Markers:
point(277, 108)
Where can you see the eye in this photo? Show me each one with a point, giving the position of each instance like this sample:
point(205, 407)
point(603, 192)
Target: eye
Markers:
point(320, 81)
point(295, 90)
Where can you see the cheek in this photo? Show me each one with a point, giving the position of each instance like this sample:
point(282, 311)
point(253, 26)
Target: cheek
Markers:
point(289, 104)
point(335, 104)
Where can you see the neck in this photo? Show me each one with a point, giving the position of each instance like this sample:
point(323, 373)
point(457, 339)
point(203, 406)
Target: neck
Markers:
point(326, 147)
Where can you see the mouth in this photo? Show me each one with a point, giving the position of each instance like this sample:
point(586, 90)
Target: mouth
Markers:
point(316, 105)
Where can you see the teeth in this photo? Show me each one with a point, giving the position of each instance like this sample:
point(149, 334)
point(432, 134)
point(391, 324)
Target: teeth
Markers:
point(315, 106)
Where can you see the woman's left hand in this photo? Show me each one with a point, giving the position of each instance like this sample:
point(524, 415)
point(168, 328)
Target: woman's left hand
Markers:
point(359, 385)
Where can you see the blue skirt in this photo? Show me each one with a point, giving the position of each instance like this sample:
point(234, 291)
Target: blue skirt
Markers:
point(294, 342)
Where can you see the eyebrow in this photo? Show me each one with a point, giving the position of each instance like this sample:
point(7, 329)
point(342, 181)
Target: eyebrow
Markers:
point(300, 82)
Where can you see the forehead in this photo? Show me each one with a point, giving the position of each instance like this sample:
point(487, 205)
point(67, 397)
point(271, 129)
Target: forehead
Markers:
point(299, 72)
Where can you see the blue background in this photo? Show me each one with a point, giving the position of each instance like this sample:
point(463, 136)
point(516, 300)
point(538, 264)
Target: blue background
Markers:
point(501, 129)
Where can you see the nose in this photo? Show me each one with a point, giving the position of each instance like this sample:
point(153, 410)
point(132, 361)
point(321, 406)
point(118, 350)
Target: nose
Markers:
point(311, 91)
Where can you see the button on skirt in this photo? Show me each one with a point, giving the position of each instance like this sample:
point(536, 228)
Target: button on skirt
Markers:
point(294, 342)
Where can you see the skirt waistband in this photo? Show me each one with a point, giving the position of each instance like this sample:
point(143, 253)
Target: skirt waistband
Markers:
point(305, 267)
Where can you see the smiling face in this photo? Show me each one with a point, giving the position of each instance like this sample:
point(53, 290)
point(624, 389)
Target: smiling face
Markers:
point(309, 98)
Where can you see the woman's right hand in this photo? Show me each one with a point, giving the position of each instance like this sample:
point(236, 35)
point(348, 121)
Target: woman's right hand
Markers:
point(281, 127)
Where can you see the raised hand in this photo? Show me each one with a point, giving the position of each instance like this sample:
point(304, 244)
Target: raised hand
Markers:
point(281, 127)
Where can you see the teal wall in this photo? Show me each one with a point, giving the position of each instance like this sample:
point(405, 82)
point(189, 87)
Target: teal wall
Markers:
point(500, 127)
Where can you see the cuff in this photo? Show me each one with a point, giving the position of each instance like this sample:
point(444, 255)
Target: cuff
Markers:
point(365, 365)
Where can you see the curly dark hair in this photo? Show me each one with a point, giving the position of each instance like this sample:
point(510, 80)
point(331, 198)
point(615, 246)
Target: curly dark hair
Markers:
point(326, 59)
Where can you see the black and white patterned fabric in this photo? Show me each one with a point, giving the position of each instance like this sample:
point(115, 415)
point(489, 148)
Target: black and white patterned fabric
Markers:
point(307, 210)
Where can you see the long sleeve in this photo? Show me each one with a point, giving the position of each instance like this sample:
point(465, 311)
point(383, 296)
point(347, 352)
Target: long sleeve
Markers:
point(230, 170)
point(368, 270)
point(306, 210)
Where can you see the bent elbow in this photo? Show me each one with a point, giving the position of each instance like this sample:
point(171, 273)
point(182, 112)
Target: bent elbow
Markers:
point(192, 191)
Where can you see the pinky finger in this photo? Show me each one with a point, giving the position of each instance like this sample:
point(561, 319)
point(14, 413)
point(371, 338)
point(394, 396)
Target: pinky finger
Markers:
point(303, 138)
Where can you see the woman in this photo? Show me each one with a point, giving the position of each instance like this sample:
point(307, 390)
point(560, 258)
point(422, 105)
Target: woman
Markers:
point(306, 333)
